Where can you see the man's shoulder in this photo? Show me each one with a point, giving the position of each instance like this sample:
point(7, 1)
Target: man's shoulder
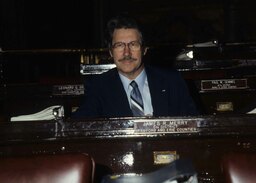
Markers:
point(108, 75)
point(168, 73)
point(99, 82)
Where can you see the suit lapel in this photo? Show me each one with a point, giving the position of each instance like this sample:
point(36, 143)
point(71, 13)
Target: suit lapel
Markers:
point(119, 98)
point(158, 91)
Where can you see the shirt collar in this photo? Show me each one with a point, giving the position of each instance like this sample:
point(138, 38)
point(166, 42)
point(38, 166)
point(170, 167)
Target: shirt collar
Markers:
point(140, 80)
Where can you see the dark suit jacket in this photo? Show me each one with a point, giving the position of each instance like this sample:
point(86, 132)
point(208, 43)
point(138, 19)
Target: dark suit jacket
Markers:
point(106, 97)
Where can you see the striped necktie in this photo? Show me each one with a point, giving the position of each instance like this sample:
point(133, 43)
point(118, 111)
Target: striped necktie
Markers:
point(136, 100)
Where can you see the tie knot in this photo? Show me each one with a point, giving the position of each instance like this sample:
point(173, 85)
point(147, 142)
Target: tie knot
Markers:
point(134, 84)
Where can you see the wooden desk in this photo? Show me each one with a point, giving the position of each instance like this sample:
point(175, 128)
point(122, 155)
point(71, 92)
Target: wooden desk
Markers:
point(136, 145)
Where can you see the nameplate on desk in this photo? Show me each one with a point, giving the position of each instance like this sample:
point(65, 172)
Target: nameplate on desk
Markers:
point(165, 126)
point(224, 84)
point(68, 90)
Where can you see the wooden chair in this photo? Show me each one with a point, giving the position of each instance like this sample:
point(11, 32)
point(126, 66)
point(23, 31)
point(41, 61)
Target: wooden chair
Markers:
point(239, 167)
point(61, 168)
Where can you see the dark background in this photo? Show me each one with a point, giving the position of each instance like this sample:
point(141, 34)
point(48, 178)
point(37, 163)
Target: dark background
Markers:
point(46, 24)
point(45, 43)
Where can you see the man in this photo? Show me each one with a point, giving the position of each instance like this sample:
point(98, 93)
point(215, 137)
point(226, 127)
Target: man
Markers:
point(153, 93)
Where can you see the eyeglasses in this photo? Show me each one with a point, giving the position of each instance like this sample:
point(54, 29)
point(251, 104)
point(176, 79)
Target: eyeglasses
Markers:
point(133, 46)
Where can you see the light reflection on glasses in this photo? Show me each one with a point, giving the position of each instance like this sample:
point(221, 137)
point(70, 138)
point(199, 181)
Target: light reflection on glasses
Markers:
point(133, 46)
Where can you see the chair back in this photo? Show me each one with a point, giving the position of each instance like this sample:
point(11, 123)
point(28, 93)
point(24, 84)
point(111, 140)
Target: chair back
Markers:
point(239, 167)
point(59, 168)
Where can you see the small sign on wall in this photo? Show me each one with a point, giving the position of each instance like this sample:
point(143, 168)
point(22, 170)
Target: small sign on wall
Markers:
point(68, 90)
point(224, 84)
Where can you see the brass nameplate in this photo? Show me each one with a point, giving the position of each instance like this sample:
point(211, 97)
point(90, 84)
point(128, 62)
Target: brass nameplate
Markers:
point(165, 126)
point(165, 157)
point(224, 84)
point(224, 106)
point(68, 90)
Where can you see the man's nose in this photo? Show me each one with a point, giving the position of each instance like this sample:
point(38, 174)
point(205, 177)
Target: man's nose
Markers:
point(127, 50)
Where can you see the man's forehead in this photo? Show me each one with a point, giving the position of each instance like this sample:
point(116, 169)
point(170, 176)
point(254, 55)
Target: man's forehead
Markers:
point(126, 33)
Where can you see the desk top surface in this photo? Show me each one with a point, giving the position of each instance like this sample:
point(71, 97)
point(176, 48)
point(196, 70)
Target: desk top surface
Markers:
point(114, 128)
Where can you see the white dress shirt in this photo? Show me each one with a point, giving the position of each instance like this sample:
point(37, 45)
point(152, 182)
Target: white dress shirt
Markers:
point(142, 82)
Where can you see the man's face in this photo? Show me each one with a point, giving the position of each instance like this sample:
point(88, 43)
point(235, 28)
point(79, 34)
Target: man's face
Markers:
point(127, 52)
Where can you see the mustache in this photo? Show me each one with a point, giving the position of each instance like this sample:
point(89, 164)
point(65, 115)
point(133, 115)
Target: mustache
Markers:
point(128, 57)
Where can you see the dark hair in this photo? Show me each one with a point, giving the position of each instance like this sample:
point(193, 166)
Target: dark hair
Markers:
point(120, 22)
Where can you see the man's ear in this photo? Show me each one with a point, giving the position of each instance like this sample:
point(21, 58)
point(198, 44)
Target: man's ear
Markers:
point(145, 50)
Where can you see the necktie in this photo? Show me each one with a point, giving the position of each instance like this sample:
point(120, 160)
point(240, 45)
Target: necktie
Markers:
point(136, 100)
